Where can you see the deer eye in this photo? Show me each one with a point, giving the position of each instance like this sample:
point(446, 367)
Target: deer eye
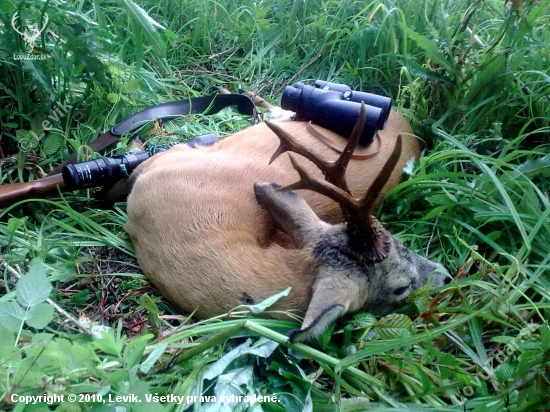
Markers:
point(400, 291)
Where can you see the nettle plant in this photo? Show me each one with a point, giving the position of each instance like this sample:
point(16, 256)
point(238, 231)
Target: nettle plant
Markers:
point(27, 306)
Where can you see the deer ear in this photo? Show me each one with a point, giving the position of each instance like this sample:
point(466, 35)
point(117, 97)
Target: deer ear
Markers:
point(291, 213)
point(332, 297)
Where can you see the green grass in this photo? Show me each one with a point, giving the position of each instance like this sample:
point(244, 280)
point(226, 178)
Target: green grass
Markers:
point(477, 201)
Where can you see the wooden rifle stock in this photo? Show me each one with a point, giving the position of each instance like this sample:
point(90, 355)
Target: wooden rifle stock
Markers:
point(11, 193)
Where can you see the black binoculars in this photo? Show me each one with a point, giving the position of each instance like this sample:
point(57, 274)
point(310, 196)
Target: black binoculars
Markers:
point(336, 107)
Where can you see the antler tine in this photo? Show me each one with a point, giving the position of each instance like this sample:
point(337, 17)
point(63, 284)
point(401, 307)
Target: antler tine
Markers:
point(309, 182)
point(289, 143)
point(365, 230)
point(367, 201)
point(334, 171)
point(338, 168)
point(334, 186)
point(13, 24)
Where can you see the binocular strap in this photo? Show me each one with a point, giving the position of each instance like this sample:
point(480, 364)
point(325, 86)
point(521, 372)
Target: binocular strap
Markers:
point(329, 143)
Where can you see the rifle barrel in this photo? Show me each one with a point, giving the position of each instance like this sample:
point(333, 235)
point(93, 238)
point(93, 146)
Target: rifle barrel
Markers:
point(11, 193)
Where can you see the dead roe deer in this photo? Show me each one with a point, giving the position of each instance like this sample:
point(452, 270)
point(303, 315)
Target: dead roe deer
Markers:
point(212, 229)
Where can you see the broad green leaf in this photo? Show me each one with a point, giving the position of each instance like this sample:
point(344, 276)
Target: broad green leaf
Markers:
point(263, 348)
point(12, 315)
point(504, 372)
point(116, 70)
point(217, 368)
point(229, 384)
point(52, 143)
point(85, 354)
point(34, 287)
point(364, 319)
point(131, 86)
point(446, 359)
point(527, 360)
point(153, 311)
point(432, 50)
point(142, 20)
point(534, 167)
point(134, 350)
point(108, 343)
point(55, 358)
point(68, 407)
point(393, 326)
point(354, 404)
point(148, 363)
point(14, 224)
point(260, 307)
point(28, 374)
point(7, 338)
point(39, 72)
point(90, 388)
point(9, 355)
point(39, 316)
point(148, 303)
point(502, 339)
point(141, 387)
point(113, 97)
point(423, 72)
point(27, 141)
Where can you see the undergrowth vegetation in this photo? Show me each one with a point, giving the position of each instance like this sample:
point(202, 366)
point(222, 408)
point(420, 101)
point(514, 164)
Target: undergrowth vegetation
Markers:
point(77, 317)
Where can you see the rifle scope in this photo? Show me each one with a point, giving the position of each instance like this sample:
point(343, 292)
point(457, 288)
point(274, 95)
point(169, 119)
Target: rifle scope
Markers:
point(101, 171)
point(336, 107)
point(108, 170)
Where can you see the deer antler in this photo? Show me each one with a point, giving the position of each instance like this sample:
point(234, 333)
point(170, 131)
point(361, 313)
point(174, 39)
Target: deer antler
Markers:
point(46, 20)
point(365, 232)
point(13, 22)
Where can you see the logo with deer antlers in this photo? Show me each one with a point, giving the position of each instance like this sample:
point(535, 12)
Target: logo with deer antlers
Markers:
point(31, 34)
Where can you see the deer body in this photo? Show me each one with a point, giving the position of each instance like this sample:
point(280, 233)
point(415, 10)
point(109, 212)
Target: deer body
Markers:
point(206, 239)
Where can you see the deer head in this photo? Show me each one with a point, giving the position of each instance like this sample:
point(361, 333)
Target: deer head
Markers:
point(31, 37)
point(359, 265)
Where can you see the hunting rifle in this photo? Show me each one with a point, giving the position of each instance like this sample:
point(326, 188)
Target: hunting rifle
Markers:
point(331, 105)
point(11, 193)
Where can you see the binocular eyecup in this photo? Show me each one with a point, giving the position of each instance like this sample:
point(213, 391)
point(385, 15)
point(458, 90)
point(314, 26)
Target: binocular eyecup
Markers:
point(336, 107)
